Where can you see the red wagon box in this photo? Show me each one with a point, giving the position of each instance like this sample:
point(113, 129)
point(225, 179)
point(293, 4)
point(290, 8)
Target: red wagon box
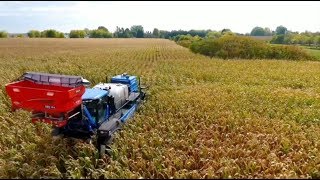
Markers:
point(50, 94)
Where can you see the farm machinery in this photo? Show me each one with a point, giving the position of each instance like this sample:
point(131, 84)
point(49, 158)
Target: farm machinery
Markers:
point(73, 108)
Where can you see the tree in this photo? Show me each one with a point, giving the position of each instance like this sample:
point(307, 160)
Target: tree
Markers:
point(258, 31)
point(228, 33)
point(118, 32)
point(51, 33)
point(278, 39)
point(310, 40)
point(200, 33)
point(303, 39)
point(103, 28)
point(137, 31)
point(77, 34)
point(156, 33)
point(122, 33)
point(281, 30)
point(100, 33)
point(213, 34)
point(317, 41)
point(295, 38)
point(87, 31)
point(182, 37)
point(267, 31)
point(3, 34)
point(127, 33)
point(164, 34)
point(288, 38)
point(61, 35)
point(223, 31)
point(148, 34)
point(48, 33)
point(34, 34)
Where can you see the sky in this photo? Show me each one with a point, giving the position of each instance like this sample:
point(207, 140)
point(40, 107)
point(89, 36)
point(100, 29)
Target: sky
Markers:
point(239, 16)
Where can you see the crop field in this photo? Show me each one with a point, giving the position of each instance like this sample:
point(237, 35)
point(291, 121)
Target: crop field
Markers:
point(204, 118)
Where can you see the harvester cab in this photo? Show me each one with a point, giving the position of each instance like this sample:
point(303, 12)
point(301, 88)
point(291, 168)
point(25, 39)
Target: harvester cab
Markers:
point(73, 108)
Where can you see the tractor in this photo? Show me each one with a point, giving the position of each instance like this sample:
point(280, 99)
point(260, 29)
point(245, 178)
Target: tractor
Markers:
point(73, 108)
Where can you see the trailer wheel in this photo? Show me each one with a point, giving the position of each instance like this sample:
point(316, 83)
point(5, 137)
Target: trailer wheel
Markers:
point(56, 133)
point(89, 140)
point(102, 150)
point(105, 149)
point(110, 140)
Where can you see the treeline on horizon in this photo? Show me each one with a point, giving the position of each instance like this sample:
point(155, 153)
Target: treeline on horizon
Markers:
point(279, 36)
point(228, 45)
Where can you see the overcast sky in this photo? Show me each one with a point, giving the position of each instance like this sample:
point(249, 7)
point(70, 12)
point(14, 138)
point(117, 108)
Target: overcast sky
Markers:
point(241, 17)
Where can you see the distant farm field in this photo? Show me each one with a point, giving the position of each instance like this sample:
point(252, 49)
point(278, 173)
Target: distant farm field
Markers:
point(204, 118)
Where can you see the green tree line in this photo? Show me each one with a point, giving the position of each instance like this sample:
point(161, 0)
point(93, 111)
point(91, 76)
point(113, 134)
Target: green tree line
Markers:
point(281, 35)
point(50, 33)
point(284, 36)
point(228, 45)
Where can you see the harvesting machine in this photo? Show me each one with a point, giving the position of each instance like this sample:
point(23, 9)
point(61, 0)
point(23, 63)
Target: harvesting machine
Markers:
point(74, 109)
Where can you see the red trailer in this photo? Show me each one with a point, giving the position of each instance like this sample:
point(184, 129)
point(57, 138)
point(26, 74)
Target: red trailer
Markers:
point(51, 98)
